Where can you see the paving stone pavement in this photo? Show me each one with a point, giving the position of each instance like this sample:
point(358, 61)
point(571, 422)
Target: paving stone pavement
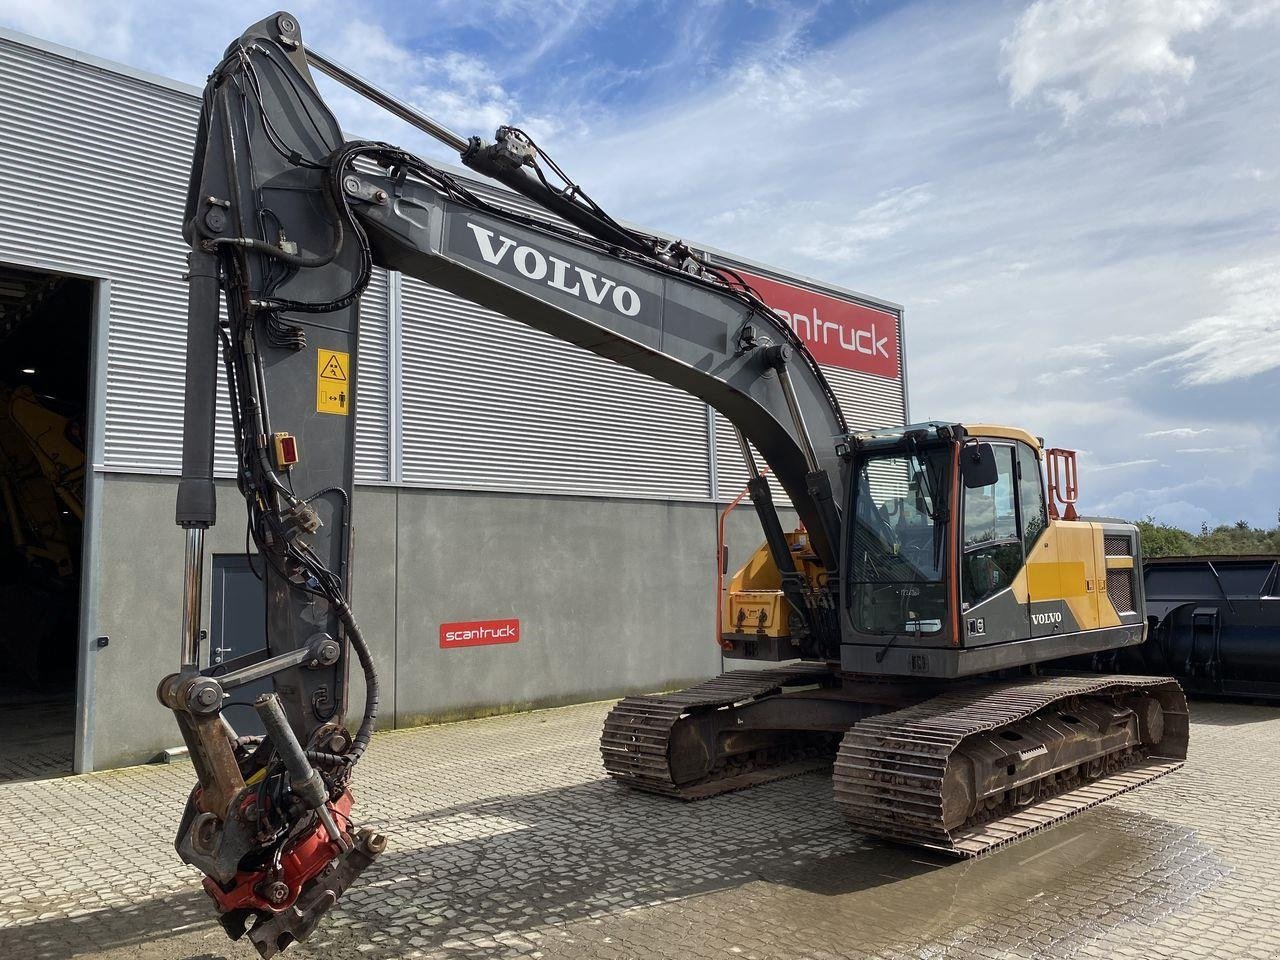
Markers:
point(48, 722)
point(508, 841)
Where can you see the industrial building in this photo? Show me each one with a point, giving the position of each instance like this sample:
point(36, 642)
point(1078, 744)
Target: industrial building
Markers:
point(507, 482)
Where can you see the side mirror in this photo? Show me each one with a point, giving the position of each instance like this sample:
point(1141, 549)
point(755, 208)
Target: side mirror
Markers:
point(978, 465)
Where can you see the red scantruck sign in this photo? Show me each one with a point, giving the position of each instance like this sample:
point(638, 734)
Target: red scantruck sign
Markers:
point(479, 633)
point(837, 332)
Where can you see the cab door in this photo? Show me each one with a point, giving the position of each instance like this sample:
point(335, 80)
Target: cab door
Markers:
point(1041, 546)
point(992, 586)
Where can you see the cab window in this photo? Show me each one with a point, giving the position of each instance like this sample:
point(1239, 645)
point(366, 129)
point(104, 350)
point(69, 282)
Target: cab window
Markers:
point(992, 535)
point(1030, 496)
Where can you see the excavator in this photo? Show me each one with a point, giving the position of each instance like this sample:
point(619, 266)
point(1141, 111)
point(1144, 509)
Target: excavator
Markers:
point(41, 505)
point(897, 632)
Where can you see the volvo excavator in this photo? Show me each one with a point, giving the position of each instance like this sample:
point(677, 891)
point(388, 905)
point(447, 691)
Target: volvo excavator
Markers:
point(900, 628)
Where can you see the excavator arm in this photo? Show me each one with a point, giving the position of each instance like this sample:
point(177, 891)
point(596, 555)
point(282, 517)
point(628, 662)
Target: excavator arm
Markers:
point(286, 220)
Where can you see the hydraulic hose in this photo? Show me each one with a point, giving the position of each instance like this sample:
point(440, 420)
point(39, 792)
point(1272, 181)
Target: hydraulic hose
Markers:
point(369, 722)
point(370, 719)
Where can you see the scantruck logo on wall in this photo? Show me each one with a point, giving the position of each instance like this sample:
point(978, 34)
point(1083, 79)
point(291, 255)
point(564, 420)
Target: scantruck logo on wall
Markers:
point(479, 633)
point(837, 332)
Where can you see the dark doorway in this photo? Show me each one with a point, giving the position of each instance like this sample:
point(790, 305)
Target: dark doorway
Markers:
point(46, 329)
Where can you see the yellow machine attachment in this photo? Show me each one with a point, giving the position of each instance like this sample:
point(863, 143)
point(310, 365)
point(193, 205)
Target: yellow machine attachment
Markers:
point(41, 509)
point(755, 608)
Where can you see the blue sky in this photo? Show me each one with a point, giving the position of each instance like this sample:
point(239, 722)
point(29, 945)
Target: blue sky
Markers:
point(1077, 201)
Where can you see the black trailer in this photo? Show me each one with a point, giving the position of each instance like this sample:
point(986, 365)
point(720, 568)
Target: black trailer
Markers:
point(1214, 623)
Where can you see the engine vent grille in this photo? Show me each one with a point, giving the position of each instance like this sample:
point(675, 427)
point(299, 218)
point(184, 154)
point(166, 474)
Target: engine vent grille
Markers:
point(1120, 589)
point(1117, 545)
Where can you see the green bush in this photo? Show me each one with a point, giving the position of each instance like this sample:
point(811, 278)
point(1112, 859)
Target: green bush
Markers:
point(1163, 540)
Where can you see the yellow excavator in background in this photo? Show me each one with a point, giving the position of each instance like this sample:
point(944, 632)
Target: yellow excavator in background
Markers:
point(42, 467)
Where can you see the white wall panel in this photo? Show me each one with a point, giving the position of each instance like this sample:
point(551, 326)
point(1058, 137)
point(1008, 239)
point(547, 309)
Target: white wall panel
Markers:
point(94, 169)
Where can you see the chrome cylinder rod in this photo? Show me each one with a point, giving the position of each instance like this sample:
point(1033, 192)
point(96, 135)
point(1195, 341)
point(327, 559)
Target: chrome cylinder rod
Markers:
point(192, 582)
point(385, 100)
point(797, 417)
point(749, 458)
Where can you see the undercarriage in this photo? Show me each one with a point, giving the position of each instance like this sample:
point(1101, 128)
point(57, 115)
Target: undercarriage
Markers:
point(962, 767)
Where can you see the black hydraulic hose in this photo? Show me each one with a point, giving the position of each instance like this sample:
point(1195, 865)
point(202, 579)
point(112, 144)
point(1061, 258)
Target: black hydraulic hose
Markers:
point(271, 250)
point(369, 721)
point(292, 259)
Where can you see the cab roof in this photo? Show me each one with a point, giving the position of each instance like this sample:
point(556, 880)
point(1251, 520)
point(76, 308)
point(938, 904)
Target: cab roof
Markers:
point(996, 432)
point(986, 431)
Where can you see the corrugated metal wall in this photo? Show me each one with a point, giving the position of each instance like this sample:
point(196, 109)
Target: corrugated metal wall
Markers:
point(867, 400)
point(373, 381)
point(93, 168)
point(492, 404)
point(93, 172)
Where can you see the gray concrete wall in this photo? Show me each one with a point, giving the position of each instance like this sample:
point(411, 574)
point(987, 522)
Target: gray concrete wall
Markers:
point(139, 607)
point(613, 596)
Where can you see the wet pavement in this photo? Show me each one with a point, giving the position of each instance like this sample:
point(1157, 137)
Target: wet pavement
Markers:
point(507, 841)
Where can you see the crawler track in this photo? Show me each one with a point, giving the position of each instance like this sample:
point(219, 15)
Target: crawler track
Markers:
point(637, 741)
point(890, 771)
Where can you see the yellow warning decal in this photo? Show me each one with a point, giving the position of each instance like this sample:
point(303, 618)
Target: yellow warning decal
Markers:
point(333, 385)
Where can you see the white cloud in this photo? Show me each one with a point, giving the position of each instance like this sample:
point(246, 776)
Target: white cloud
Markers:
point(1140, 504)
point(1240, 341)
point(83, 24)
point(833, 236)
point(1121, 465)
point(461, 93)
point(1173, 504)
point(795, 91)
point(825, 232)
point(458, 90)
point(1253, 13)
point(1179, 432)
point(1113, 55)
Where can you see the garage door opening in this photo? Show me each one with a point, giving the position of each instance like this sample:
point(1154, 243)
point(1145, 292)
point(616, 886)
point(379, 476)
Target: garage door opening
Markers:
point(46, 324)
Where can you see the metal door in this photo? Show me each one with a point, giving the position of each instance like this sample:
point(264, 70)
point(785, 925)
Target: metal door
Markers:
point(238, 626)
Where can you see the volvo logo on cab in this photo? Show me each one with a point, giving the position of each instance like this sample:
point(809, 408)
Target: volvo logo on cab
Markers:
point(558, 274)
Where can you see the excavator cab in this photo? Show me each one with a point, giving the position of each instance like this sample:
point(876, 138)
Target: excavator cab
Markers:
point(983, 575)
point(955, 563)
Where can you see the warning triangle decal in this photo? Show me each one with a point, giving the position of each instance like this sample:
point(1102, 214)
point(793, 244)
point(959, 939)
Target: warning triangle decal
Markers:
point(333, 370)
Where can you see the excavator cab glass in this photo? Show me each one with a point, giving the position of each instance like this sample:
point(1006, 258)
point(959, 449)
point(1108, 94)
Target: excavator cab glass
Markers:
point(992, 553)
point(898, 541)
